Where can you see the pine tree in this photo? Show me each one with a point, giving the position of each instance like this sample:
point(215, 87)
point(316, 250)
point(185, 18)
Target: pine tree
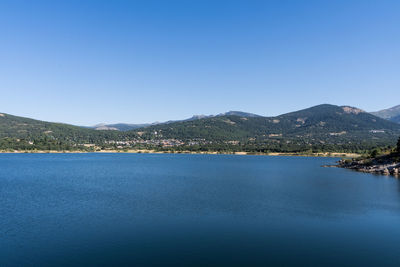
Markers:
point(398, 145)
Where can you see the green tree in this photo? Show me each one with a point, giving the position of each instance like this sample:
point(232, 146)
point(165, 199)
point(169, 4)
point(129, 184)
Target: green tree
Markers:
point(374, 153)
point(398, 145)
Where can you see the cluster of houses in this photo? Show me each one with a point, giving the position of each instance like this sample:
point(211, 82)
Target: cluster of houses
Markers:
point(154, 142)
point(157, 142)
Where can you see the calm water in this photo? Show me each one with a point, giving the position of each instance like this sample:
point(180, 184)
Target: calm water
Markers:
point(146, 209)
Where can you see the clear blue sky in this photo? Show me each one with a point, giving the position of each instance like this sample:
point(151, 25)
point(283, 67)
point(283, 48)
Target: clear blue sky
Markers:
point(85, 62)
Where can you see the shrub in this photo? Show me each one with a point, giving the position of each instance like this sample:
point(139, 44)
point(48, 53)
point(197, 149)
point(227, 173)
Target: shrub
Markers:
point(374, 153)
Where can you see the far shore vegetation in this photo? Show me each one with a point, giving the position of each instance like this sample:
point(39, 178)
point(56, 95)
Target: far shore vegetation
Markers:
point(319, 130)
point(379, 161)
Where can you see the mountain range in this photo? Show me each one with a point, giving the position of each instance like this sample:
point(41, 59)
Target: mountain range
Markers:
point(392, 114)
point(129, 126)
point(321, 128)
point(119, 126)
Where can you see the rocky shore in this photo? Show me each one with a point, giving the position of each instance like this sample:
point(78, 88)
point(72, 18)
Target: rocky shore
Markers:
point(385, 165)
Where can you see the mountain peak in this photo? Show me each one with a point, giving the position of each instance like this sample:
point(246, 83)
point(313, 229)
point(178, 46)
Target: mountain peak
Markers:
point(352, 110)
point(239, 113)
point(388, 113)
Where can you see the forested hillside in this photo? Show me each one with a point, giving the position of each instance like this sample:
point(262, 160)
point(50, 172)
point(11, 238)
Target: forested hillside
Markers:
point(319, 128)
point(23, 133)
point(323, 127)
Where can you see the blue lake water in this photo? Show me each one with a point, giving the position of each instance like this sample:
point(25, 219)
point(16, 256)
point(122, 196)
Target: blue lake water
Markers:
point(188, 210)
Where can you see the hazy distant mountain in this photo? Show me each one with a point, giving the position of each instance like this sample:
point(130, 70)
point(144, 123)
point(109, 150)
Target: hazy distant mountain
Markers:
point(127, 126)
point(119, 126)
point(395, 119)
point(229, 113)
point(239, 113)
point(392, 114)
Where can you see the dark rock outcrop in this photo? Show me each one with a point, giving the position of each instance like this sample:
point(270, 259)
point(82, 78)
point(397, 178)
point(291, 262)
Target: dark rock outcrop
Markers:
point(385, 165)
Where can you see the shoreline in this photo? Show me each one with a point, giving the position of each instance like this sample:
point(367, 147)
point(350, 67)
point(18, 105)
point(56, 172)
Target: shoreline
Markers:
point(380, 168)
point(143, 151)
